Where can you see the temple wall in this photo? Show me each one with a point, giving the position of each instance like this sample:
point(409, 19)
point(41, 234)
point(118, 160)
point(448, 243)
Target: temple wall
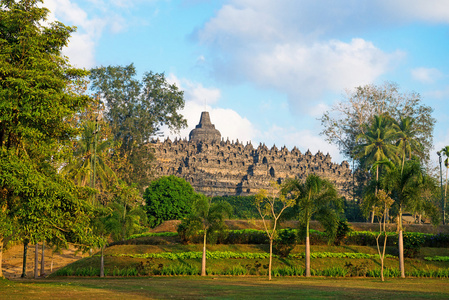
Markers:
point(231, 168)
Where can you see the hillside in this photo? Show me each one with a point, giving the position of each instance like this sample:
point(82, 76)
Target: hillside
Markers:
point(12, 256)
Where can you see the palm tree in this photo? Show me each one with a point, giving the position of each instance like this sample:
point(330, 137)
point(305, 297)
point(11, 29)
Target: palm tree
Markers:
point(207, 217)
point(407, 143)
point(405, 187)
point(89, 164)
point(126, 216)
point(378, 144)
point(315, 198)
point(445, 152)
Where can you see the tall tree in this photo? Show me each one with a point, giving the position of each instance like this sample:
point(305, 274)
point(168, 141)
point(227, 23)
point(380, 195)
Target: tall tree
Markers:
point(404, 186)
point(315, 198)
point(136, 111)
point(377, 145)
point(270, 205)
point(406, 133)
point(35, 104)
point(348, 119)
point(207, 217)
point(89, 165)
point(445, 152)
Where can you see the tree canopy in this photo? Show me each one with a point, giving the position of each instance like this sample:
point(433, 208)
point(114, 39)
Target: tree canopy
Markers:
point(136, 111)
point(348, 119)
point(36, 104)
point(168, 198)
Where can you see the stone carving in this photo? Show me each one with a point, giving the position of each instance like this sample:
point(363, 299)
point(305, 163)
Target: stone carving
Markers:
point(216, 167)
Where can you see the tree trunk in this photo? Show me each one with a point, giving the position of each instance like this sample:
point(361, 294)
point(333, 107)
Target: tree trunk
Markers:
point(43, 260)
point(102, 262)
point(401, 254)
point(271, 259)
point(1, 255)
point(203, 260)
point(375, 193)
point(401, 245)
point(24, 262)
point(444, 201)
point(307, 251)
point(36, 261)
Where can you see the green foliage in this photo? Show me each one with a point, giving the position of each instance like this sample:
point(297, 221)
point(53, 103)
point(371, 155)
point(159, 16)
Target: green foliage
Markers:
point(342, 231)
point(139, 235)
point(179, 270)
point(316, 198)
point(90, 164)
point(346, 120)
point(136, 110)
point(285, 242)
point(38, 101)
point(126, 217)
point(168, 198)
point(198, 255)
point(437, 258)
point(205, 216)
point(243, 207)
point(377, 141)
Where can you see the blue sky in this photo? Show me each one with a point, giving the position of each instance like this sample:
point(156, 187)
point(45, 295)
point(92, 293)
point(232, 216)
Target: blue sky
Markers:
point(267, 70)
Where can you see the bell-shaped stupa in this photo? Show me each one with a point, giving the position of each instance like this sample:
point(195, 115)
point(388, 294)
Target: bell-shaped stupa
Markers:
point(205, 131)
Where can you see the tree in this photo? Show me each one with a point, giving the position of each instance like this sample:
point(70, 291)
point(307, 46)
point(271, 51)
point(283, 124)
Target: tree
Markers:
point(136, 111)
point(270, 206)
point(348, 119)
point(168, 198)
point(126, 217)
point(89, 164)
point(405, 186)
point(207, 217)
point(377, 145)
point(315, 198)
point(407, 143)
point(35, 104)
point(383, 202)
point(445, 152)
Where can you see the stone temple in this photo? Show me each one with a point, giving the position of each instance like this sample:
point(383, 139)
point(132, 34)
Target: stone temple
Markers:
point(216, 167)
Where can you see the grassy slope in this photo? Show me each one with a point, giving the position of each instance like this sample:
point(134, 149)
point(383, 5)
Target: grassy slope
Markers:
point(171, 244)
point(217, 265)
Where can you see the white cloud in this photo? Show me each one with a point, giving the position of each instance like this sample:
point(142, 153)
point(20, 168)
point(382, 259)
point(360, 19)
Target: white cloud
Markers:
point(81, 47)
point(227, 121)
point(284, 46)
point(432, 11)
point(426, 75)
point(195, 92)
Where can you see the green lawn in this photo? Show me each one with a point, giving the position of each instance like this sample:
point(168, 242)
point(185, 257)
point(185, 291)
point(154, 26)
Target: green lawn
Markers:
point(195, 287)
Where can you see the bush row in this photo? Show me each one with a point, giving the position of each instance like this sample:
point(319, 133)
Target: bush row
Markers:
point(249, 269)
point(245, 255)
point(437, 258)
point(361, 238)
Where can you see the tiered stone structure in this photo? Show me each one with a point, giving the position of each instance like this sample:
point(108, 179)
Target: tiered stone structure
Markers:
point(216, 167)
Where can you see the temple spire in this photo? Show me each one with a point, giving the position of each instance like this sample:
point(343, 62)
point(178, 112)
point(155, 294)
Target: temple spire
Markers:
point(205, 131)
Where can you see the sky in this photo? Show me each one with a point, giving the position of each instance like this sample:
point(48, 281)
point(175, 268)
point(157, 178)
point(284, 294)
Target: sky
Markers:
point(267, 70)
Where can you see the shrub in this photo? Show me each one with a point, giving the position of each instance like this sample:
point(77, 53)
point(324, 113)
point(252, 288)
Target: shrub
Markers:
point(285, 242)
point(342, 231)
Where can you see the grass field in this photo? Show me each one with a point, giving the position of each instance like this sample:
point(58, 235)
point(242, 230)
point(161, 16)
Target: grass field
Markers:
point(195, 287)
